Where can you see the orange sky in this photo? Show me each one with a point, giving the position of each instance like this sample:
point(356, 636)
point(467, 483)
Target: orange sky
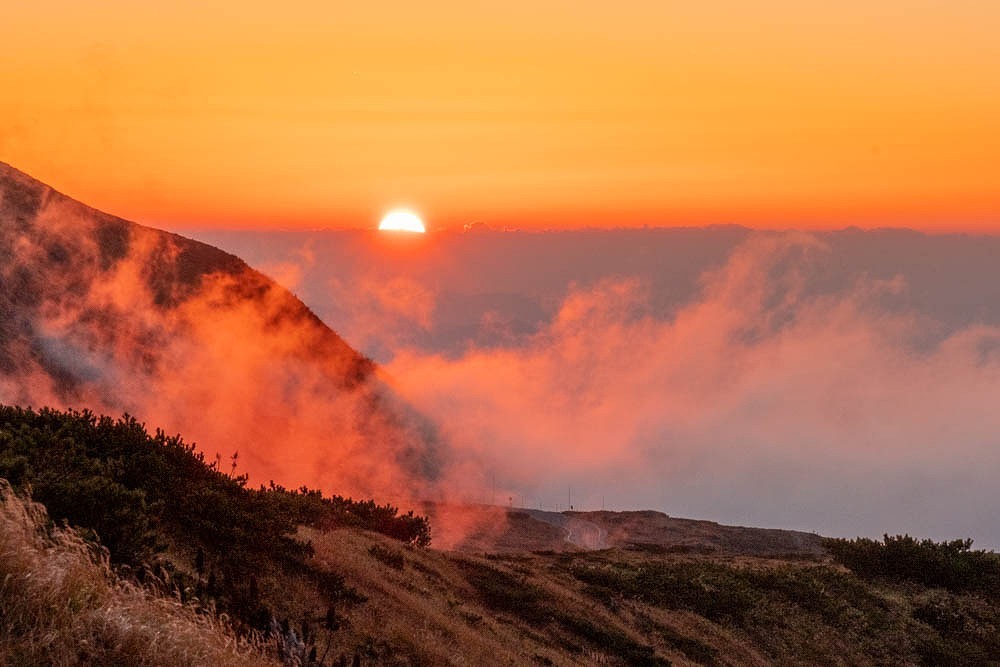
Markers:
point(776, 113)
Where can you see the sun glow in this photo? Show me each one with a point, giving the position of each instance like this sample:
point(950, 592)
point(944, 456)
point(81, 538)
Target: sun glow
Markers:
point(402, 220)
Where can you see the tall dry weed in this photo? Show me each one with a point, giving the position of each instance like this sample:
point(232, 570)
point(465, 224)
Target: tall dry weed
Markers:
point(61, 604)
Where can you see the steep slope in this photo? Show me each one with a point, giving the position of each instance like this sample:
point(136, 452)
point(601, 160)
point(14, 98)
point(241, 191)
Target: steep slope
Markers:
point(99, 312)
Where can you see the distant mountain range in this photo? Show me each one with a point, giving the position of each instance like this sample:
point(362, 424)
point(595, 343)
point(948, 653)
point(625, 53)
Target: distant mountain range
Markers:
point(103, 313)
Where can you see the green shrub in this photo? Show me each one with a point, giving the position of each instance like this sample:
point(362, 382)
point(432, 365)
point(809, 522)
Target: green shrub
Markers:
point(507, 593)
point(733, 595)
point(693, 649)
point(942, 652)
point(503, 592)
point(138, 492)
point(714, 591)
point(952, 565)
point(612, 641)
point(390, 557)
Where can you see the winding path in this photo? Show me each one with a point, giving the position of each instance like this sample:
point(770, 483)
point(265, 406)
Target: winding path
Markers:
point(579, 532)
point(586, 534)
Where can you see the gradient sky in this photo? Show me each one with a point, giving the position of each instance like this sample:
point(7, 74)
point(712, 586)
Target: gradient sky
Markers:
point(780, 113)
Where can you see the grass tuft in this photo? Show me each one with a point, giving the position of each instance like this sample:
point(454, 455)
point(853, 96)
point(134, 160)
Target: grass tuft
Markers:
point(62, 604)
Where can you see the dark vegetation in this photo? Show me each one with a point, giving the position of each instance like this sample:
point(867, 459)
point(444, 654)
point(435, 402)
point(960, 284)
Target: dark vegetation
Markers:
point(894, 609)
point(509, 594)
point(754, 600)
point(963, 616)
point(386, 556)
point(693, 649)
point(952, 565)
point(142, 494)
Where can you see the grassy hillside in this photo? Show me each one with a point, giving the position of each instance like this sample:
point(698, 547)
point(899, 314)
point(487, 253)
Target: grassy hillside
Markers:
point(172, 520)
point(307, 579)
point(641, 606)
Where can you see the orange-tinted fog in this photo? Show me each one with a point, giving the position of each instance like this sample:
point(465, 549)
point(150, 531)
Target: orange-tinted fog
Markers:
point(113, 317)
point(754, 398)
point(842, 383)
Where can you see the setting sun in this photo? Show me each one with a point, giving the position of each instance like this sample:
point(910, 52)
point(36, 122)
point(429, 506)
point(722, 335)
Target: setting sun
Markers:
point(401, 220)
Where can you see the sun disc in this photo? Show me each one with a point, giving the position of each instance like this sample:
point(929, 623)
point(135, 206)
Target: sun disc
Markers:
point(402, 220)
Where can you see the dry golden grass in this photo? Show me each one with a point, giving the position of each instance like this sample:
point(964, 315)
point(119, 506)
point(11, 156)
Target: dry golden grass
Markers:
point(425, 610)
point(428, 607)
point(60, 604)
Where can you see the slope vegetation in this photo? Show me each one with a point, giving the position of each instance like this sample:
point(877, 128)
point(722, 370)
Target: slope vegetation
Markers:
point(172, 521)
point(315, 580)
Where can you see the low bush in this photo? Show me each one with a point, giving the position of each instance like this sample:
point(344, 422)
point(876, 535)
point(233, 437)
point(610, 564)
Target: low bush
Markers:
point(501, 591)
point(137, 492)
point(386, 556)
point(714, 591)
point(952, 565)
point(692, 649)
point(731, 595)
point(509, 594)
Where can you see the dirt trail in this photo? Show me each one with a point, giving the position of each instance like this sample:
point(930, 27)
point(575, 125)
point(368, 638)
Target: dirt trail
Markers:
point(586, 534)
point(579, 532)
